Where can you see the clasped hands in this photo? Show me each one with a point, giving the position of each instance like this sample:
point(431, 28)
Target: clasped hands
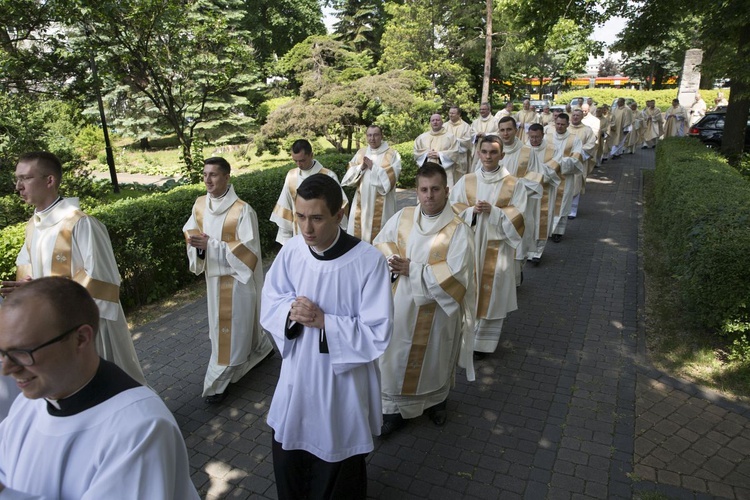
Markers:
point(199, 241)
point(482, 207)
point(304, 311)
point(399, 265)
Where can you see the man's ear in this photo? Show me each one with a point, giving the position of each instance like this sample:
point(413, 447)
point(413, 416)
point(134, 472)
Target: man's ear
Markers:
point(85, 335)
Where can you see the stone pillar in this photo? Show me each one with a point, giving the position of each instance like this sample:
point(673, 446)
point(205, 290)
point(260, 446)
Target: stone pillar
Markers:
point(691, 77)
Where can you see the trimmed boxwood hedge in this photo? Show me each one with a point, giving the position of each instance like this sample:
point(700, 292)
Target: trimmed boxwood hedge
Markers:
point(700, 209)
point(146, 232)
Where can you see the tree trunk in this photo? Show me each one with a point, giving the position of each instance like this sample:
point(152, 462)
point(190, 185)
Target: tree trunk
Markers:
point(487, 55)
point(733, 141)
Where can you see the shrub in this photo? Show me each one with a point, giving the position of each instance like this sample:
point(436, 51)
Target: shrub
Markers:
point(146, 232)
point(701, 210)
point(407, 178)
point(663, 98)
point(89, 141)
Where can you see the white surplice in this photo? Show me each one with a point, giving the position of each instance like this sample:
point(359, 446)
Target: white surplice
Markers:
point(128, 447)
point(328, 404)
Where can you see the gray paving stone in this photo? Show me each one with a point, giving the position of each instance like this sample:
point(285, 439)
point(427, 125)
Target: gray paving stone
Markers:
point(565, 408)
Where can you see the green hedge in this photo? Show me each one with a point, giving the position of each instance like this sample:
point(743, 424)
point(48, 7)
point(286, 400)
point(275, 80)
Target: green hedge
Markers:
point(146, 232)
point(700, 209)
point(663, 98)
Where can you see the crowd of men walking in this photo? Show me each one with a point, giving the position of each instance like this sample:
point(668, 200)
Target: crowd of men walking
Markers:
point(371, 309)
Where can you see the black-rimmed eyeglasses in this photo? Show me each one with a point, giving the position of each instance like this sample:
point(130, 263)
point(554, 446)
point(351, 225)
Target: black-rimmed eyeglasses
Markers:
point(25, 357)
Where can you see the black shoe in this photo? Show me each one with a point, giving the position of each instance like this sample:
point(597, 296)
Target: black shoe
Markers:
point(571, 217)
point(536, 260)
point(215, 399)
point(557, 238)
point(391, 423)
point(479, 356)
point(644, 147)
point(438, 414)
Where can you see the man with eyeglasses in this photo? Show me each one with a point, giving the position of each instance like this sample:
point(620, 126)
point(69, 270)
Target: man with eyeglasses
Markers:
point(63, 241)
point(83, 428)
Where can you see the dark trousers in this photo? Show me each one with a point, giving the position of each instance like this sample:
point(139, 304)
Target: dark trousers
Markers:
point(300, 474)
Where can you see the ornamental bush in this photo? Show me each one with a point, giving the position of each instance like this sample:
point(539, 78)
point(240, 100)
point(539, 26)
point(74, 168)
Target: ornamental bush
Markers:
point(700, 211)
point(663, 98)
point(146, 232)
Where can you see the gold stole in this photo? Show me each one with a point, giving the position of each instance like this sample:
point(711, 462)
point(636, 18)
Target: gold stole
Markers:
point(549, 154)
point(226, 283)
point(425, 314)
point(62, 261)
point(523, 162)
point(291, 215)
point(377, 213)
point(564, 178)
point(487, 279)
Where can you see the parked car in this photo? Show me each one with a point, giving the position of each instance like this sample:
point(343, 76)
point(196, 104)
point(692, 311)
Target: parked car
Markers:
point(539, 104)
point(710, 130)
point(561, 107)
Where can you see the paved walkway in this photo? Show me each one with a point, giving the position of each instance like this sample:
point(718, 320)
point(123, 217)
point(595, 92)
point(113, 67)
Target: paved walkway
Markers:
point(566, 408)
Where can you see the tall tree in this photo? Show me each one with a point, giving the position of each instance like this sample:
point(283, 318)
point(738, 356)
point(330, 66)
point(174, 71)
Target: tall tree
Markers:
point(722, 31)
point(193, 60)
point(360, 24)
point(417, 38)
point(275, 26)
point(608, 67)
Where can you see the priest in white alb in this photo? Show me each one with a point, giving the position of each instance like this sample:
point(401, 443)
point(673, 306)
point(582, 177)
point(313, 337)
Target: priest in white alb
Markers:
point(458, 128)
point(675, 120)
point(431, 256)
point(374, 171)
point(542, 164)
point(438, 146)
point(524, 118)
point(569, 156)
point(484, 125)
point(652, 124)
point(588, 151)
point(223, 243)
point(492, 202)
point(307, 165)
point(61, 240)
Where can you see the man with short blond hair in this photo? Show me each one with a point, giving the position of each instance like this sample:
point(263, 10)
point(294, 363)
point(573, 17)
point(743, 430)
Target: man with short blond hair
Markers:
point(61, 240)
point(492, 202)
